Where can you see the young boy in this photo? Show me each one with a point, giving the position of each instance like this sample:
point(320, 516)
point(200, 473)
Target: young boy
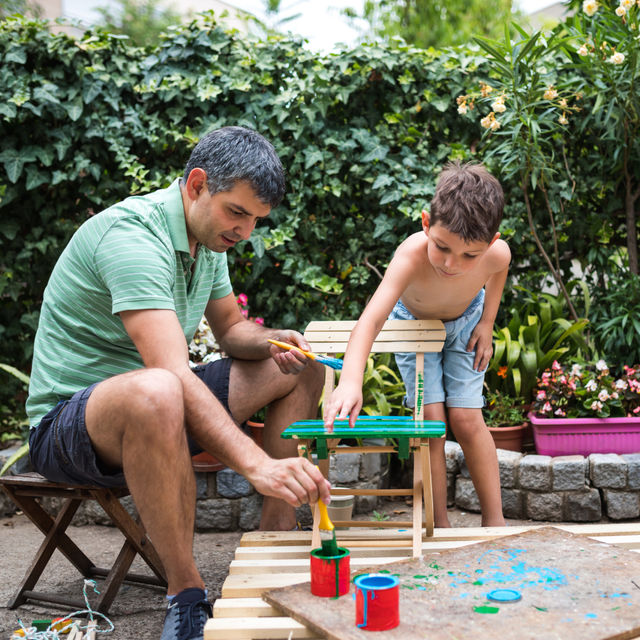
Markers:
point(453, 270)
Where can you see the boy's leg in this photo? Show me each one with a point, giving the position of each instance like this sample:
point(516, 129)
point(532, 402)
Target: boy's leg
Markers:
point(436, 411)
point(479, 450)
point(257, 384)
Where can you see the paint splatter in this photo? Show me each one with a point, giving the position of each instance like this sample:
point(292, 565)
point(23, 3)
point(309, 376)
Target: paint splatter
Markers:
point(486, 609)
point(590, 615)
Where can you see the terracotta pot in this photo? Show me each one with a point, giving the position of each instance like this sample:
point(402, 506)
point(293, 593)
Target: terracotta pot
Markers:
point(205, 462)
point(509, 438)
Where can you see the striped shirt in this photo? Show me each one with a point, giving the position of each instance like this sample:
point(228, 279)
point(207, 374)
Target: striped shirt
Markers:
point(134, 255)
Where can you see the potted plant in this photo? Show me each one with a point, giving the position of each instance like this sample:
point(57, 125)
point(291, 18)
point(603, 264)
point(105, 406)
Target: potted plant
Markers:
point(584, 409)
point(506, 419)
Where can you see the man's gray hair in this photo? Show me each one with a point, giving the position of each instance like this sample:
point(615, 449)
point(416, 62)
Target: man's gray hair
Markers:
point(236, 154)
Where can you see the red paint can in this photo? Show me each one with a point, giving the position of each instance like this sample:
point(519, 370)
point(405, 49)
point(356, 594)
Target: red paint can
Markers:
point(330, 574)
point(377, 601)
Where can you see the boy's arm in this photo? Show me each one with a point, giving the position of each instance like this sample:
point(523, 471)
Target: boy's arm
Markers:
point(482, 336)
point(346, 399)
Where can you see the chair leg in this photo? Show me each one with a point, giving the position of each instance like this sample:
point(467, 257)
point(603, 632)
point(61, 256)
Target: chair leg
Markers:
point(417, 503)
point(425, 462)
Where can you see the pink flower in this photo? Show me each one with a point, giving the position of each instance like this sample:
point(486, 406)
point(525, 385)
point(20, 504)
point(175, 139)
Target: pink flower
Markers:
point(559, 412)
point(243, 300)
point(596, 405)
point(556, 366)
point(244, 312)
point(636, 410)
point(547, 408)
point(259, 320)
point(542, 394)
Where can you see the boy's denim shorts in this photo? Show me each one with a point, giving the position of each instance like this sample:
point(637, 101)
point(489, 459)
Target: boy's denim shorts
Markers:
point(60, 448)
point(449, 375)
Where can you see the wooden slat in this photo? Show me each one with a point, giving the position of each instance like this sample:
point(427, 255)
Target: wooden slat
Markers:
point(244, 607)
point(395, 325)
point(296, 565)
point(253, 586)
point(425, 346)
point(255, 629)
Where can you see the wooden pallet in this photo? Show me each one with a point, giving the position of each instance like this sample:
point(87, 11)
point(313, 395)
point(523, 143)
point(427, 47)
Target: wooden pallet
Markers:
point(265, 560)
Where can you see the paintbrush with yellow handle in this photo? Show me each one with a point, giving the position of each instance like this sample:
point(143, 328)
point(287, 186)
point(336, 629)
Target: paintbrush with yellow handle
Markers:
point(334, 363)
point(327, 532)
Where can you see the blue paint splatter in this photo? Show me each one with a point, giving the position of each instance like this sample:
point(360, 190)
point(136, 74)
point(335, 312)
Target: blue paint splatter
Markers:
point(590, 615)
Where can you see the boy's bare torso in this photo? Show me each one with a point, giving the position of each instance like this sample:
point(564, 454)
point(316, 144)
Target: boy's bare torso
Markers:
point(430, 295)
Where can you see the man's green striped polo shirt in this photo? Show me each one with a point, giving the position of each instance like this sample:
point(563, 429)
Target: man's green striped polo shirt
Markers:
point(133, 255)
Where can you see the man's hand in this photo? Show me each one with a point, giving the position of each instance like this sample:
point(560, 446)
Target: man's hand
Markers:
point(290, 361)
point(345, 402)
point(294, 480)
point(481, 341)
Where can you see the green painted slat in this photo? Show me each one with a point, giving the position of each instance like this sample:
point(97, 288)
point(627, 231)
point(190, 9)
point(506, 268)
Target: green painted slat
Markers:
point(367, 426)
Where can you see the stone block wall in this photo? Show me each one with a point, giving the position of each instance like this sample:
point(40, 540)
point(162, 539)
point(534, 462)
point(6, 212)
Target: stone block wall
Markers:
point(565, 488)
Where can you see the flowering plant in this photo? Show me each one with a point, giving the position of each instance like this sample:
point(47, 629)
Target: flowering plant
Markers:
point(587, 392)
point(203, 348)
point(503, 410)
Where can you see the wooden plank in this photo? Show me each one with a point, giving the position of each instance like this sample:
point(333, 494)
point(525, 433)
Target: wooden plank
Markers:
point(294, 565)
point(244, 586)
point(572, 588)
point(255, 629)
point(243, 607)
point(425, 346)
point(396, 325)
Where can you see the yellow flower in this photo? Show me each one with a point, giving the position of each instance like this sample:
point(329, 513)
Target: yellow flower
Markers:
point(621, 11)
point(589, 7)
point(490, 122)
point(583, 51)
point(563, 119)
point(485, 89)
point(616, 58)
point(550, 93)
point(563, 103)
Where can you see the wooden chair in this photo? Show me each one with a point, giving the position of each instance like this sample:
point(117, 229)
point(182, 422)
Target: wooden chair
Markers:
point(26, 489)
point(412, 434)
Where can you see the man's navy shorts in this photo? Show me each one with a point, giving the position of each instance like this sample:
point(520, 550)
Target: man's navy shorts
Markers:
point(60, 448)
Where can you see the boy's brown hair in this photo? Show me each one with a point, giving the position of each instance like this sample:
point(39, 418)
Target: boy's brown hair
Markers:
point(468, 202)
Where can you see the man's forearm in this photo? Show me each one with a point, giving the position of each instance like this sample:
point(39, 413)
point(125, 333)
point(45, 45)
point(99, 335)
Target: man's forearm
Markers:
point(209, 424)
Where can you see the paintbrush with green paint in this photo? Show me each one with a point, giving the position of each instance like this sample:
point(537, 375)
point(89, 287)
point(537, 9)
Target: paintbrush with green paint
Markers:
point(327, 532)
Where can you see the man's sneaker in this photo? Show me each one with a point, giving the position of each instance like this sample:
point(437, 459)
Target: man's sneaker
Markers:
point(186, 615)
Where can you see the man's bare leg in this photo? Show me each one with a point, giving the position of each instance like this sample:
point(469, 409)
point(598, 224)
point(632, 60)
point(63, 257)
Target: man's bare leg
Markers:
point(136, 420)
point(482, 461)
point(253, 385)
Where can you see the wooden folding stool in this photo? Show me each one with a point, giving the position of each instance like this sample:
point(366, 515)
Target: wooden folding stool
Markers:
point(25, 490)
point(411, 434)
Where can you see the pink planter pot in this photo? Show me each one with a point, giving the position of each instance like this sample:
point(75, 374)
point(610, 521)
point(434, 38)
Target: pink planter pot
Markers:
point(583, 436)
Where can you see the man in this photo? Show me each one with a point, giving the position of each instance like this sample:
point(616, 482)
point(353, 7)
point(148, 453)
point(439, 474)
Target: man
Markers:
point(112, 398)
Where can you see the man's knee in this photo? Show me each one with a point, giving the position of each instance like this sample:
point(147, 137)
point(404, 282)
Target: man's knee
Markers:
point(157, 394)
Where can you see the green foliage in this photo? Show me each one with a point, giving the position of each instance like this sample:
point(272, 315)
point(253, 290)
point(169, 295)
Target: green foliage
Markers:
point(615, 317)
point(434, 23)
point(503, 410)
point(382, 387)
point(140, 20)
point(9, 430)
point(537, 334)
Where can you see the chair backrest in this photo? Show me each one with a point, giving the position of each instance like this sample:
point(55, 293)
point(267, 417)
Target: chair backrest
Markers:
point(330, 337)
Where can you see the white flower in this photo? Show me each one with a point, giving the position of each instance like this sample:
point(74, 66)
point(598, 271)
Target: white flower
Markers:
point(589, 7)
point(601, 365)
point(462, 109)
point(583, 51)
point(490, 122)
point(592, 385)
point(603, 395)
point(498, 107)
point(627, 4)
point(616, 58)
point(621, 384)
point(576, 370)
point(621, 11)
point(563, 119)
point(596, 405)
point(495, 125)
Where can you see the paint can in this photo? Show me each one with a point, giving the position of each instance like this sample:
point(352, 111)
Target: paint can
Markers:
point(377, 601)
point(330, 575)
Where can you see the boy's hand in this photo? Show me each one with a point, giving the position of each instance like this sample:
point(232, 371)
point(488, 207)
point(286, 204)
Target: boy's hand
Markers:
point(482, 341)
point(345, 402)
